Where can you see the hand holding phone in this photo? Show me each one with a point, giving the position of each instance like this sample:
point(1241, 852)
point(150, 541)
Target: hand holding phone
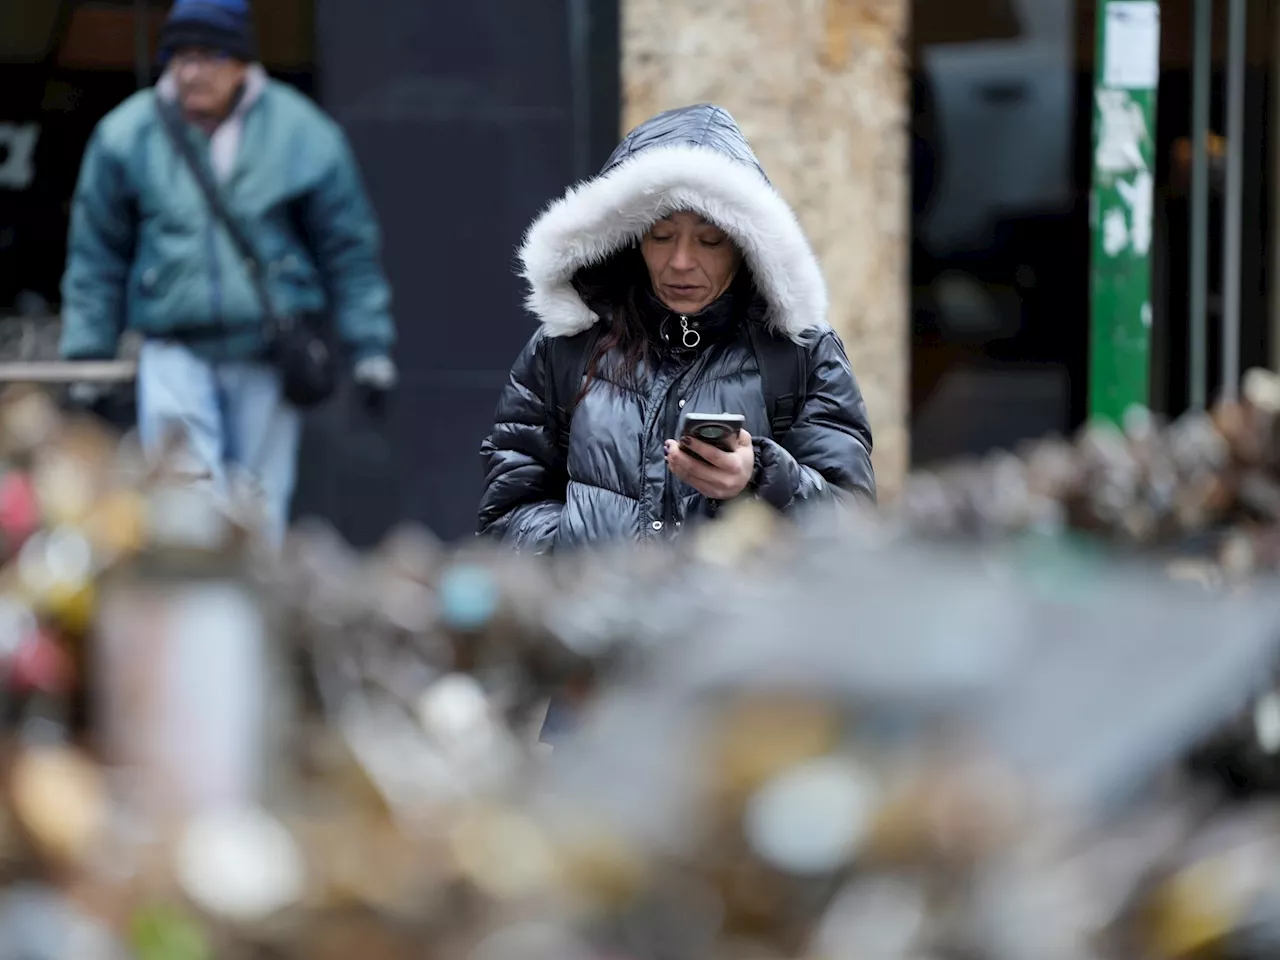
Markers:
point(733, 458)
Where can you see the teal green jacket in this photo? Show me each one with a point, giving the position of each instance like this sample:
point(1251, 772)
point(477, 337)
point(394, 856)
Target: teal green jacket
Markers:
point(144, 253)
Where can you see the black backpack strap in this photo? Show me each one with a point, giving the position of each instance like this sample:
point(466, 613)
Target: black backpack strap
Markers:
point(566, 360)
point(784, 377)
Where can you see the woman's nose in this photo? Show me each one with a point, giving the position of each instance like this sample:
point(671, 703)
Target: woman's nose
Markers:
point(682, 258)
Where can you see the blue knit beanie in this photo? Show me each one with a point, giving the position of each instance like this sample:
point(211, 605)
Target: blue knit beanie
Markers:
point(223, 25)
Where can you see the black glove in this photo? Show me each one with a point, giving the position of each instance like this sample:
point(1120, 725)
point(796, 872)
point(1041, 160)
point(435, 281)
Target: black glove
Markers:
point(86, 396)
point(375, 378)
point(116, 403)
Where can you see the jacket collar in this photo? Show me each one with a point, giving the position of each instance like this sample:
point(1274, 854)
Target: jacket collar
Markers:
point(224, 144)
point(715, 322)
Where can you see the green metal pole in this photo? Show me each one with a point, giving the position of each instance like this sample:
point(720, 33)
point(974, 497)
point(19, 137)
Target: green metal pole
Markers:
point(1127, 75)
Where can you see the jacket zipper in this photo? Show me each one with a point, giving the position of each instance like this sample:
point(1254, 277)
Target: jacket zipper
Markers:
point(666, 412)
point(211, 254)
point(651, 422)
point(215, 273)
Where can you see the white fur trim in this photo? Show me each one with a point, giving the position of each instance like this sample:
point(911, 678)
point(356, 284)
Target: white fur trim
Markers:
point(598, 218)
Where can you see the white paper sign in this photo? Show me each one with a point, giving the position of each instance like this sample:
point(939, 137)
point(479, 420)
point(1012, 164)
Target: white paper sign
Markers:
point(18, 155)
point(1121, 134)
point(1132, 45)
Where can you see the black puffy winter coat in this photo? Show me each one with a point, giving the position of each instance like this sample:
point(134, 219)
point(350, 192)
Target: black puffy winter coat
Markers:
point(613, 482)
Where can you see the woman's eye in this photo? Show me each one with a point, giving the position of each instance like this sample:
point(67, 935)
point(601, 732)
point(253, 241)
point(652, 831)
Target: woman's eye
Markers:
point(658, 238)
point(713, 243)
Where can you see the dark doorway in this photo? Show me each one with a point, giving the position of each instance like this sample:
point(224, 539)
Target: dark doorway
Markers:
point(466, 119)
point(999, 239)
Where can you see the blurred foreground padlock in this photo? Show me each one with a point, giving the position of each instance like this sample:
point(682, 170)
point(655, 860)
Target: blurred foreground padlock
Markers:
point(188, 690)
point(37, 923)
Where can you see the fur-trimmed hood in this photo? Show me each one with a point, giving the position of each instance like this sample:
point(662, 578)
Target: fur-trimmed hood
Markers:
point(694, 159)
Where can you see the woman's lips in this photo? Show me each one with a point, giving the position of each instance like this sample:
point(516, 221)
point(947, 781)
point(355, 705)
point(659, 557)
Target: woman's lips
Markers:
point(683, 292)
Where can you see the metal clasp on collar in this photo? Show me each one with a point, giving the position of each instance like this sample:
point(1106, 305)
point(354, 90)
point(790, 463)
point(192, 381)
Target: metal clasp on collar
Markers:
point(688, 336)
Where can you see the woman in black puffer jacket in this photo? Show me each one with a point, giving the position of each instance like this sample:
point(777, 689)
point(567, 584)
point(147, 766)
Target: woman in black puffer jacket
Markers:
point(673, 281)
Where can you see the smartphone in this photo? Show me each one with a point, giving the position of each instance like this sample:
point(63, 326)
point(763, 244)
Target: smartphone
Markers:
point(718, 429)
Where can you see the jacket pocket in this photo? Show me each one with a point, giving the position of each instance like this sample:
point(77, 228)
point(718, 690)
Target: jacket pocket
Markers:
point(169, 294)
point(295, 284)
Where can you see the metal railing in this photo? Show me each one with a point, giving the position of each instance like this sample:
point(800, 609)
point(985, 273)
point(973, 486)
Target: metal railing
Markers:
point(1202, 75)
point(68, 371)
point(28, 354)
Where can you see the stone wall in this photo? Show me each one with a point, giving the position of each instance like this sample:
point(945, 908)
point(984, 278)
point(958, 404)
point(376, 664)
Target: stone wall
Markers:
point(820, 88)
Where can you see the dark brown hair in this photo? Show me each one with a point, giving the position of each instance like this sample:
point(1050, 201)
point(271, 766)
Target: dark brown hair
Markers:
point(616, 290)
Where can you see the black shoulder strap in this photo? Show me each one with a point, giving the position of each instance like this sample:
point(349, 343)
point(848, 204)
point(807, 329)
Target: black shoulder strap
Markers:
point(784, 376)
point(566, 361)
point(213, 199)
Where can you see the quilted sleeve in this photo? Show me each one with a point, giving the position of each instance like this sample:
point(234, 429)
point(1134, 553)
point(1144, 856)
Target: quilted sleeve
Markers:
point(827, 451)
point(525, 474)
point(100, 249)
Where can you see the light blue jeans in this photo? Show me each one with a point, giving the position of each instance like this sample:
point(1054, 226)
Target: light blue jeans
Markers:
point(232, 414)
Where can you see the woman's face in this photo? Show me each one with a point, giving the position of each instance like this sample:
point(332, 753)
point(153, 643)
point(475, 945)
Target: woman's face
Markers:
point(691, 262)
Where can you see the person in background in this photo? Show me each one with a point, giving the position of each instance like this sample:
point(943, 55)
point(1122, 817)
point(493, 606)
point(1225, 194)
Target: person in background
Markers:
point(146, 253)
